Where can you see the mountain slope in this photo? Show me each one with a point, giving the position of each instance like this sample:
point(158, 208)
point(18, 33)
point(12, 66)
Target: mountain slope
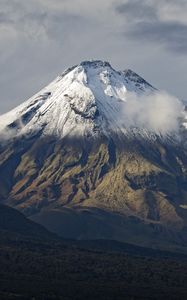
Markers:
point(15, 225)
point(69, 148)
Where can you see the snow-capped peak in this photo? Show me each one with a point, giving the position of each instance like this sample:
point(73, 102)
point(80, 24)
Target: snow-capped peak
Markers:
point(85, 100)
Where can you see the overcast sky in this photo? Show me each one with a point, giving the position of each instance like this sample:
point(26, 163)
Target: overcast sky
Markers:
point(40, 38)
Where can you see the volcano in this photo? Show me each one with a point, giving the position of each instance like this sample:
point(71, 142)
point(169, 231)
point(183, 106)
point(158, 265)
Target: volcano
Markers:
point(71, 160)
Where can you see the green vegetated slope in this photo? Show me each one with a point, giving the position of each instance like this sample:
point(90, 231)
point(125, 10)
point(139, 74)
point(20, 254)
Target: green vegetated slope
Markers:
point(142, 182)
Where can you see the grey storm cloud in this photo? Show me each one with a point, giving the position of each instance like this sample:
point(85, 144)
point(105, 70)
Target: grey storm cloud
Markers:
point(170, 34)
point(4, 19)
point(137, 9)
point(149, 21)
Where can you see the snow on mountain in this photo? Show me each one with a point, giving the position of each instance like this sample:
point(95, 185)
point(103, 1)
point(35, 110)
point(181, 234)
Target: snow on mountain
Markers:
point(86, 100)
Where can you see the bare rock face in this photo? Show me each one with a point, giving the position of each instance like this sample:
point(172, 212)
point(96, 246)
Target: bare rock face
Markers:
point(69, 162)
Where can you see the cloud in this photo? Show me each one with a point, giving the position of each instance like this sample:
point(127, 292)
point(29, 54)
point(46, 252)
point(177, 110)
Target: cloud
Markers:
point(170, 34)
point(159, 22)
point(138, 9)
point(40, 38)
point(35, 22)
point(158, 112)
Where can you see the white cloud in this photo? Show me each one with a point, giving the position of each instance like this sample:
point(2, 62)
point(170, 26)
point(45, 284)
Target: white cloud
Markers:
point(158, 112)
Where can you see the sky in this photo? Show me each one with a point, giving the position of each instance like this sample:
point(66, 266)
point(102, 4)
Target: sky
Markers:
point(41, 38)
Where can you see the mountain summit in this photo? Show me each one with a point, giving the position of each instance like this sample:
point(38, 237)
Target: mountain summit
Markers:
point(72, 162)
point(86, 100)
